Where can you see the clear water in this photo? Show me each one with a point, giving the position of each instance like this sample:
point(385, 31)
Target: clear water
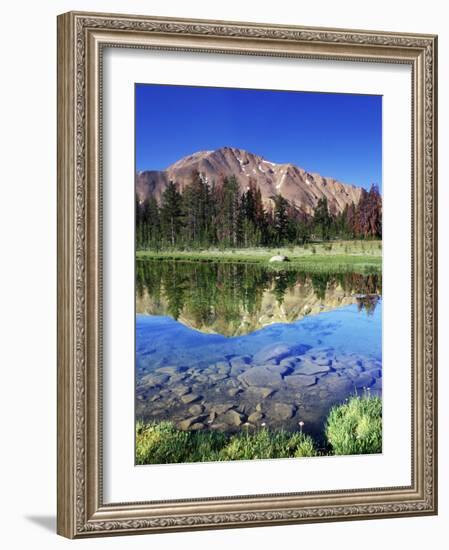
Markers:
point(194, 319)
point(160, 340)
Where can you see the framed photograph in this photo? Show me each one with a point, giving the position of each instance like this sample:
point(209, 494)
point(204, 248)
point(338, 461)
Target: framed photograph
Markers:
point(247, 274)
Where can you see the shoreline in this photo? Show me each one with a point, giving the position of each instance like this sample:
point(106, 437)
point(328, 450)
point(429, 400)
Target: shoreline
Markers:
point(364, 257)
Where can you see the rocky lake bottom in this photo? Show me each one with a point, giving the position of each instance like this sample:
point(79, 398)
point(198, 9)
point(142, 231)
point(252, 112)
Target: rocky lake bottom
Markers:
point(277, 377)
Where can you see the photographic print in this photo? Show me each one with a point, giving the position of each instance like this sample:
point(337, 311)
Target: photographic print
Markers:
point(221, 273)
point(258, 237)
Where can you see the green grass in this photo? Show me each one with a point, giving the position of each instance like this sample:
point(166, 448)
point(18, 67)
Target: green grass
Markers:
point(352, 428)
point(356, 426)
point(337, 256)
point(163, 443)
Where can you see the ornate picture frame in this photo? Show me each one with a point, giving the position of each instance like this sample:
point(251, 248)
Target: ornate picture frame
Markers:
point(82, 39)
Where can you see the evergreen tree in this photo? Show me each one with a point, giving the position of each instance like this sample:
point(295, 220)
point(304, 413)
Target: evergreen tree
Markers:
point(194, 209)
point(302, 231)
point(205, 215)
point(322, 219)
point(350, 221)
point(171, 214)
point(229, 214)
point(138, 220)
point(153, 223)
point(280, 219)
point(251, 214)
point(374, 212)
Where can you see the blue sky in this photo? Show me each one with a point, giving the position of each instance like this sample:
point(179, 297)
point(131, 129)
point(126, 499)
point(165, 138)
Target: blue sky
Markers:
point(338, 135)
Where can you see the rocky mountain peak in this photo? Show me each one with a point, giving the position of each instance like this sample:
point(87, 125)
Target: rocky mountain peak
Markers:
point(301, 188)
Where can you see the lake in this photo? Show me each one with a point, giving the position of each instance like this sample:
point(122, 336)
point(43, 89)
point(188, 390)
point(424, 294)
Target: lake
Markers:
point(222, 345)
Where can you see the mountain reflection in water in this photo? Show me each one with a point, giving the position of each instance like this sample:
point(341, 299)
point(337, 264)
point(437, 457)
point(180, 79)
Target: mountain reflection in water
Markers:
point(238, 298)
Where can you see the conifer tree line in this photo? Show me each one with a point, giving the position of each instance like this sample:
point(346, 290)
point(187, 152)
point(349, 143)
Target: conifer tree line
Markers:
point(204, 214)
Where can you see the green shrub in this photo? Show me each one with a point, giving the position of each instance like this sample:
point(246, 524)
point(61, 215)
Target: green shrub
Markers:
point(356, 426)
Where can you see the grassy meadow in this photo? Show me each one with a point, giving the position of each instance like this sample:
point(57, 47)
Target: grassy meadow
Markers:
point(364, 256)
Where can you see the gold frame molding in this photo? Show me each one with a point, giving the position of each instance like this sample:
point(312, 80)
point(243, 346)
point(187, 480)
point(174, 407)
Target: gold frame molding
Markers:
point(81, 39)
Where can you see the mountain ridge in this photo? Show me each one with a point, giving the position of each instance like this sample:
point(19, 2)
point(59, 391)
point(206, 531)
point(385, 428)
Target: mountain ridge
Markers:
point(301, 188)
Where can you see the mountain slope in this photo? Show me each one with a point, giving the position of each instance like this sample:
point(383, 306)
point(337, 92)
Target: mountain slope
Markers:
point(302, 189)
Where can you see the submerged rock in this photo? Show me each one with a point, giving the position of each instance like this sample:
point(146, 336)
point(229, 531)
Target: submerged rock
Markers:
point(257, 392)
point(233, 418)
point(196, 409)
point(222, 367)
point(190, 398)
point(278, 352)
point(336, 384)
point(281, 411)
point(306, 366)
point(216, 377)
point(255, 417)
point(220, 408)
point(260, 376)
point(239, 365)
point(364, 381)
point(181, 390)
point(188, 422)
point(280, 369)
point(300, 380)
point(171, 369)
point(153, 379)
point(176, 378)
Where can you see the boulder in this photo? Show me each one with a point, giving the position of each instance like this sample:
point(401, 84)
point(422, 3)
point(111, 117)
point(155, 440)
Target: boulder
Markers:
point(322, 360)
point(195, 410)
point(201, 378)
point(306, 366)
point(240, 362)
point(259, 392)
point(300, 380)
point(153, 379)
point(211, 417)
point(176, 378)
point(364, 381)
point(220, 408)
point(188, 422)
point(190, 398)
point(181, 390)
point(281, 369)
point(171, 369)
point(233, 418)
point(279, 258)
point(222, 367)
point(261, 376)
point(337, 385)
point(288, 363)
point(281, 411)
point(375, 372)
point(216, 377)
point(255, 417)
point(278, 352)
